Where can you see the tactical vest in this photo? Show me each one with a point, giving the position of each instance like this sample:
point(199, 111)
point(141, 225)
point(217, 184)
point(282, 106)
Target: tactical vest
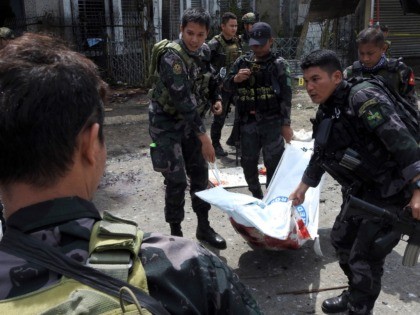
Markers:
point(261, 91)
point(230, 52)
point(113, 249)
point(344, 147)
point(389, 72)
point(198, 76)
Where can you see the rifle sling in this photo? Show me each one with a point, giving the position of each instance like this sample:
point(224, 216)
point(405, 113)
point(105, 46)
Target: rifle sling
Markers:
point(36, 251)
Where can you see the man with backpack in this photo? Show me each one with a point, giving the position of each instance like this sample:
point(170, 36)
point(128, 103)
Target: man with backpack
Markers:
point(184, 89)
point(367, 142)
point(262, 83)
point(371, 45)
point(59, 255)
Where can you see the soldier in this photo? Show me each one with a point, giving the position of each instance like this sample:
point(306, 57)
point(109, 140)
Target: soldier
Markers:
point(372, 61)
point(385, 31)
point(181, 146)
point(263, 85)
point(365, 144)
point(248, 20)
point(225, 49)
point(53, 158)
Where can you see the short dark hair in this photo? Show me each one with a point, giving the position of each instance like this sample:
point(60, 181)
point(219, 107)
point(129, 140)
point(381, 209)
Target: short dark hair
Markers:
point(196, 15)
point(48, 95)
point(228, 16)
point(326, 59)
point(371, 35)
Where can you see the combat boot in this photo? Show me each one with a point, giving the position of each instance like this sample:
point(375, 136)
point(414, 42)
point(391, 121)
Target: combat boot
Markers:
point(336, 304)
point(218, 150)
point(205, 233)
point(176, 229)
point(257, 193)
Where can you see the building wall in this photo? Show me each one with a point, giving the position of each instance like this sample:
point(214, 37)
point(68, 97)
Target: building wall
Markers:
point(37, 8)
point(270, 12)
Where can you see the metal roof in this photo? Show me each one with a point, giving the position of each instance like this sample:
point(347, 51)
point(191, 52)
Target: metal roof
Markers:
point(326, 9)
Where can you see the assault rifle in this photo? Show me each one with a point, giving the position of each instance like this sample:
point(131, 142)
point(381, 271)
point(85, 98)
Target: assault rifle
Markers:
point(403, 224)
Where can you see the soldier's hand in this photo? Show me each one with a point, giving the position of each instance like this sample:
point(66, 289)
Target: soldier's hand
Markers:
point(298, 195)
point(242, 75)
point(217, 108)
point(207, 148)
point(287, 133)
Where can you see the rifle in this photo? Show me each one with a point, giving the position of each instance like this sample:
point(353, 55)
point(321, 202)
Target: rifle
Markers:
point(402, 224)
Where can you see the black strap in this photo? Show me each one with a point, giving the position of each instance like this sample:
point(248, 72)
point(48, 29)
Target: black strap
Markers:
point(36, 251)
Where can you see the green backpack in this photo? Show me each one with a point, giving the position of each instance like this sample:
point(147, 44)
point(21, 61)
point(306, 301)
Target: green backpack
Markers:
point(112, 282)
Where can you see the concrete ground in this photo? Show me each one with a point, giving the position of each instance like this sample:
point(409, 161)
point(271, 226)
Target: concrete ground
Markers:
point(284, 282)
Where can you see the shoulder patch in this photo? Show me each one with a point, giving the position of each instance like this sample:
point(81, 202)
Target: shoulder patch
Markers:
point(411, 79)
point(373, 117)
point(177, 67)
point(367, 104)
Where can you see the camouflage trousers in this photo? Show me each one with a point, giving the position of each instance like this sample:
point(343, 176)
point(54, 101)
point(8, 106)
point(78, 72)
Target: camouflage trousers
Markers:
point(177, 155)
point(219, 120)
point(265, 135)
point(361, 260)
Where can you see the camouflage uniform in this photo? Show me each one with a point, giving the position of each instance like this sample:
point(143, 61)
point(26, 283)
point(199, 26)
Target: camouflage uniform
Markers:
point(366, 126)
point(264, 105)
point(396, 73)
point(223, 55)
point(179, 100)
point(248, 18)
point(66, 223)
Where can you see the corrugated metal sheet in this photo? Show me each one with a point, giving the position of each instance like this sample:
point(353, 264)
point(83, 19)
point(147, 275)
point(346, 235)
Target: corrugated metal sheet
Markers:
point(326, 9)
point(404, 30)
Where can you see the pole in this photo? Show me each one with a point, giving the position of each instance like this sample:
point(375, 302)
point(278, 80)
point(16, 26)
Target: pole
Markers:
point(372, 10)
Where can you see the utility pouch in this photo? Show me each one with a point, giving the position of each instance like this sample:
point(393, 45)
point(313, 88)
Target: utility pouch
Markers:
point(351, 159)
point(159, 158)
point(323, 132)
point(384, 244)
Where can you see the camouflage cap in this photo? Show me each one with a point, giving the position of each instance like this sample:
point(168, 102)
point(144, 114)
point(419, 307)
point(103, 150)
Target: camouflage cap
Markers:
point(249, 18)
point(6, 33)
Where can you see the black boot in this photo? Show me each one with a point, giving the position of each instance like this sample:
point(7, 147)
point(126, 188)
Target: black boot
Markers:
point(257, 193)
point(336, 304)
point(206, 234)
point(218, 150)
point(176, 229)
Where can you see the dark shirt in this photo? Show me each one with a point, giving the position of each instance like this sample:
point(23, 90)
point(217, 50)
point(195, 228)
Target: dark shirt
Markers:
point(183, 275)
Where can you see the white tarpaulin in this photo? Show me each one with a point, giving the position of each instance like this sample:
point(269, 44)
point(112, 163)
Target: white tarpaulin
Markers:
point(264, 222)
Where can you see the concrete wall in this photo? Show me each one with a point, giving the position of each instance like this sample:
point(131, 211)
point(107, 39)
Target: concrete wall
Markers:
point(36, 8)
point(270, 12)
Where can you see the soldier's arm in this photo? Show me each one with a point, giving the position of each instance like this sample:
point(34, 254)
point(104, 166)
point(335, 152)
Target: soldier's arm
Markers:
point(212, 287)
point(228, 83)
point(379, 116)
point(285, 98)
point(173, 73)
point(215, 56)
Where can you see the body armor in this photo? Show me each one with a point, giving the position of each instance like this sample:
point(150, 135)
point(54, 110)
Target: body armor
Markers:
point(198, 75)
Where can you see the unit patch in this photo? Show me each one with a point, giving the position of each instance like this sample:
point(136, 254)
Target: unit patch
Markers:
point(177, 67)
point(373, 117)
